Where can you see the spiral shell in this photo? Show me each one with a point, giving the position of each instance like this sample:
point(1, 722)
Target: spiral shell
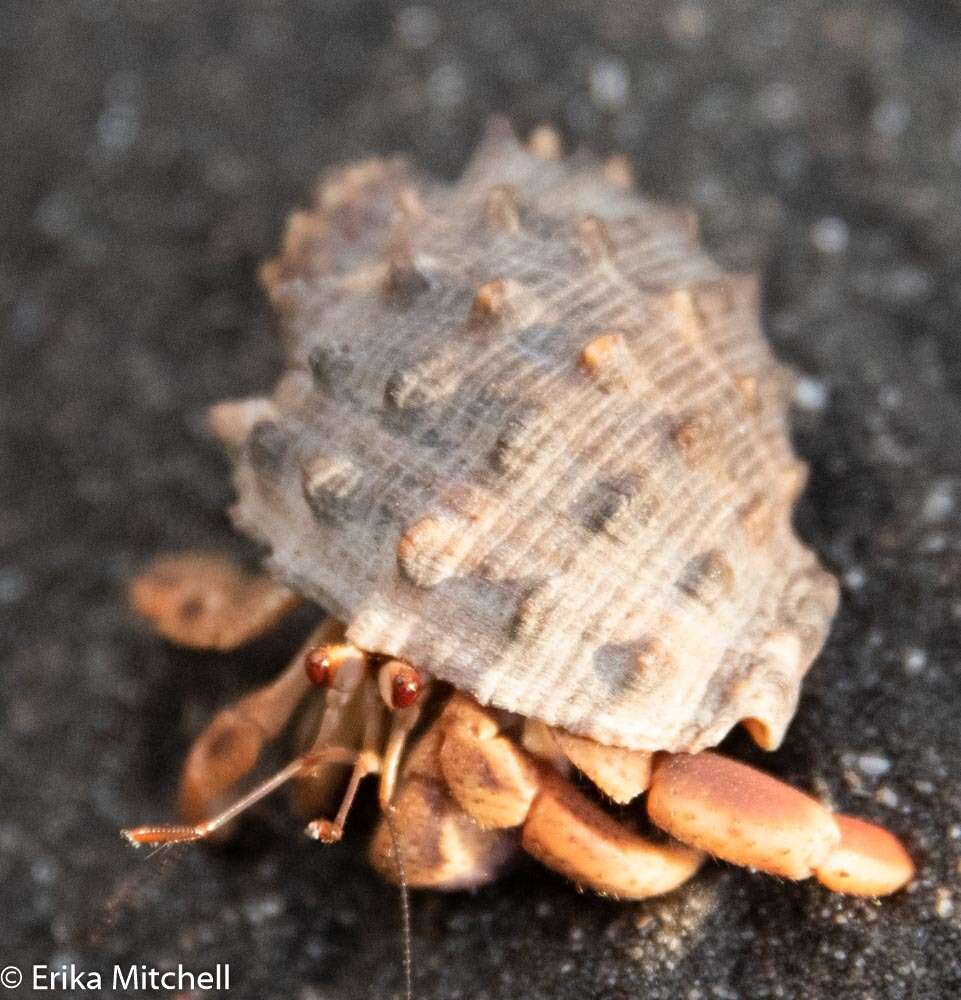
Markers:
point(532, 440)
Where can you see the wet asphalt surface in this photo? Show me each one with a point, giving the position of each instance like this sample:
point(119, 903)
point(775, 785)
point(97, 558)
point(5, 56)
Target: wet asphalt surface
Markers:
point(150, 154)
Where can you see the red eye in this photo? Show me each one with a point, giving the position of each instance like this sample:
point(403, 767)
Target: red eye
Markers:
point(400, 684)
point(405, 688)
point(320, 666)
point(323, 665)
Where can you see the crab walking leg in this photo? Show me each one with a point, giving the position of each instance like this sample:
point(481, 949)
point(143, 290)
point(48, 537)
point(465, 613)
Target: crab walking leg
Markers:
point(620, 774)
point(230, 745)
point(368, 762)
point(402, 723)
point(207, 601)
point(318, 794)
point(749, 818)
point(371, 760)
point(441, 846)
point(567, 832)
point(501, 786)
point(349, 678)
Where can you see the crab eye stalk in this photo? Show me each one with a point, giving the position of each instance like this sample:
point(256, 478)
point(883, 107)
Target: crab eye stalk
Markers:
point(317, 666)
point(323, 662)
point(400, 684)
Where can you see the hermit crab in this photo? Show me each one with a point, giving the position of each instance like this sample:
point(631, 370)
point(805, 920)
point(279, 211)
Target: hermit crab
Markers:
point(530, 452)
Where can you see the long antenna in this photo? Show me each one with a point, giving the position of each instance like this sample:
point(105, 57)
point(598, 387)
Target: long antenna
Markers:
point(404, 906)
point(129, 891)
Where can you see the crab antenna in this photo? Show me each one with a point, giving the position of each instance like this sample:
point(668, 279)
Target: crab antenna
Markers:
point(404, 904)
point(173, 834)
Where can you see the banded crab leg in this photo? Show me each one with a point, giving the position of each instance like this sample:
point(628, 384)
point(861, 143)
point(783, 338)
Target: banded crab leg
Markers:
point(207, 601)
point(468, 791)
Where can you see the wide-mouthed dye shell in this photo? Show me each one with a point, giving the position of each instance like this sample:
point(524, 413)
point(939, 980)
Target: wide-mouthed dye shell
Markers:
point(531, 439)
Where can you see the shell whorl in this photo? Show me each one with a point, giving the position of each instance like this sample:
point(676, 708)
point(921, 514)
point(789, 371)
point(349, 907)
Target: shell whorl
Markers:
point(532, 439)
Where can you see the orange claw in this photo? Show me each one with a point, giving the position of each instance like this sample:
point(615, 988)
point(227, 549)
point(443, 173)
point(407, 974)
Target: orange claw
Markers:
point(869, 861)
point(741, 815)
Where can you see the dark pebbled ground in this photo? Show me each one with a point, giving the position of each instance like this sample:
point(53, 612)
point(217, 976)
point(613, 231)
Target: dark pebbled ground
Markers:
point(150, 153)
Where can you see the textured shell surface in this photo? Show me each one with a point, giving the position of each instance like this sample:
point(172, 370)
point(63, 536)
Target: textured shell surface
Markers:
point(531, 439)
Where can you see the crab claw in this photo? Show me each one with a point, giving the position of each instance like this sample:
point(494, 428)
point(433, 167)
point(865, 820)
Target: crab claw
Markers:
point(869, 861)
point(749, 818)
point(468, 791)
point(741, 815)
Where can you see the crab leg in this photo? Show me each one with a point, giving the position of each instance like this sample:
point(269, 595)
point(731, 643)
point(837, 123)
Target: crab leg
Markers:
point(869, 861)
point(749, 818)
point(567, 832)
point(501, 787)
point(368, 762)
point(402, 722)
point(442, 847)
point(229, 747)
point(620, 774)
point(231, 744)
point(371, 759)
point(206, 601)
point(186, 833)
point(317, 794)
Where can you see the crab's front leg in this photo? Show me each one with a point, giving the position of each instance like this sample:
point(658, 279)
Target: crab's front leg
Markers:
point(472, 777)
point(207, 601)
point(231, 744)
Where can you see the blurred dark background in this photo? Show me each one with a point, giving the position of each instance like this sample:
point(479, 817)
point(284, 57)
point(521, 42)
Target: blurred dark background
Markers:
point(151, 151)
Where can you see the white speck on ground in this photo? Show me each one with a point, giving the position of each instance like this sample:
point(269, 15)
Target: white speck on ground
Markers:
point(939, 501)
point(830, 235)
point(811, 394)
point(609, 82)
point(417, 26)
point(890, 397)
point(779, 103)
point(446, 86)
point(891, 117)
point(943, 903)
point(873, 765)
point(266, 908)
point(688, 23)
point(908, 283)
point(13, 585)
point(887, 796)
point(915, 660)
